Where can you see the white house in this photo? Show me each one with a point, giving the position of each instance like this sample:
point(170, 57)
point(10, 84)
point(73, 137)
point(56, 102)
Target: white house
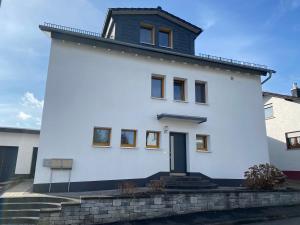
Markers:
point(18, 152)
point(282, 113)
point(136, 103)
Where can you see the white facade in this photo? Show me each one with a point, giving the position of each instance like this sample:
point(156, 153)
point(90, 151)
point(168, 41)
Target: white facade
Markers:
point(91, 87)
point(286, 118)
point(25, 143)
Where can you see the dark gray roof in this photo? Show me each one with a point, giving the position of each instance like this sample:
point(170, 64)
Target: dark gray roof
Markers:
point(94, 39)
point(19, 130)
point(156, 11)
point(182, 117)
point(286, 97)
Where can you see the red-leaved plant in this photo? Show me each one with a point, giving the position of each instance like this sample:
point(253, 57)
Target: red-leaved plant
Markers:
point(263, 177)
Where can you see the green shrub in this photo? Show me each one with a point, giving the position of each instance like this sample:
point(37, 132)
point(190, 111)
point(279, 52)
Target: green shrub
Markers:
point(264, 177)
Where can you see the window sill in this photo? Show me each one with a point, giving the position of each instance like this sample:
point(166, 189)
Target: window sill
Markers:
point(156, 98)
point(167, 47)
point(148, 148)
point(123, 147)
point(203, 151)
point(269, 118)
point(99, 146)
point(200, 103)
point(180, 101)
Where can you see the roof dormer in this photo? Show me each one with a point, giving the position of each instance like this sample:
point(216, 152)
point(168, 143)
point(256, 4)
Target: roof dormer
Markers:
point(152, 27)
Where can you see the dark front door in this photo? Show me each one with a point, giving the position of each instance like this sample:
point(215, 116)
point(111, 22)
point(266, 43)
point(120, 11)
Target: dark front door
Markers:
point(8, 160)
point(33, 162)
point(178, 152)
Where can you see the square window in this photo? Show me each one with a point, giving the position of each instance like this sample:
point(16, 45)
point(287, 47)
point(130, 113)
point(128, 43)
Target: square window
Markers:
point(146, 34)
point(201, 142)
point(268, 111)
point(164, 38)
point(101, 136)
point(179, 90)
point(157, 87)
point(152, 139)
point(200, 92)
point(293, 140)
point(128, 138)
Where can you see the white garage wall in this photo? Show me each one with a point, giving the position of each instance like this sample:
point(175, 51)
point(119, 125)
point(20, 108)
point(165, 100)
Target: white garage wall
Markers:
point(25, 143)
point(89, 87)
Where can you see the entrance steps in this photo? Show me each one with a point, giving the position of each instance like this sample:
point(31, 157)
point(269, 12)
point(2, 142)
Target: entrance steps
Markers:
point(187, 182)
point(26, 210)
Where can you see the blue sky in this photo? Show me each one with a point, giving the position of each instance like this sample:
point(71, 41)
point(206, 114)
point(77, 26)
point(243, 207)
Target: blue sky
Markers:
point(261, 31)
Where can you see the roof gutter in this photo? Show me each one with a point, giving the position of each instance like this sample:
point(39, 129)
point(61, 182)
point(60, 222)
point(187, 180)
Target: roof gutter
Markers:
point(268, 78)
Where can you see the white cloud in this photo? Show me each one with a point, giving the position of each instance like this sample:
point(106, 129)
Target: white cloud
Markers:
point(23, 116)
point(29, 100)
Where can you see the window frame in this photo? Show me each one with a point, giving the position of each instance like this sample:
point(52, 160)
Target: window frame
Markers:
point(170, 37)
point(183, 92)
point(162, 78)
point(97, 144)
point(288, 145)
point(148, 27)
point(134, 140)
point(267, 106)
point(205, 149)
point(158, 140)
point(205, 92)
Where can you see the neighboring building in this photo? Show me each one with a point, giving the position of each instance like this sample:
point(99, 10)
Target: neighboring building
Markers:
point(18, 152)
point(136, 103)
point(282, 114)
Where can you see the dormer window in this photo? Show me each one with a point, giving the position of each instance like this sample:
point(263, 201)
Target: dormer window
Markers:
point(147, 34)
point(165, 38)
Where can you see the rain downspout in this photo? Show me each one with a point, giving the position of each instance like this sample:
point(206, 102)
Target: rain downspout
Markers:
point(268, 78)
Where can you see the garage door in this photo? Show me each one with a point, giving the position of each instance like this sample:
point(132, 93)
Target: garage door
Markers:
point(8, 160)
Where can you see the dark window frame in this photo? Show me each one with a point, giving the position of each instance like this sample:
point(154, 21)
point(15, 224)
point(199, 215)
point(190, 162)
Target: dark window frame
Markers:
point(162, 79)
point(102, 144)
point(288, 141)
point(205, 92)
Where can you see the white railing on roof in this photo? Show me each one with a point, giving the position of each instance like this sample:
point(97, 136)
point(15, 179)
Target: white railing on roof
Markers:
point(71, 29)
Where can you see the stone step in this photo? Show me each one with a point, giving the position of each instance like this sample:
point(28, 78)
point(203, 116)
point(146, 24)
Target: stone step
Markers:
point(182, 178)
point(32, 199)
point(19, 220)
point(187, 186)
point(28, 205)
point(20, 213)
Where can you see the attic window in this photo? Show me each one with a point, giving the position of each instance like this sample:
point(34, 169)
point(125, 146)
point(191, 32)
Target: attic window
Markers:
point(147, 34)
point(164, 38)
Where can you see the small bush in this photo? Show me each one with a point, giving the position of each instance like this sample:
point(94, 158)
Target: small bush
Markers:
point(157, 185)
point(127, 187)
point(263, 176)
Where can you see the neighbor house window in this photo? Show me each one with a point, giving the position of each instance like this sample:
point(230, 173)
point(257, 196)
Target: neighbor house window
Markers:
point(147, 34)
point(152, 139)
point(179, 90)
point(268, 111)
point(101, 136)
point(293, 140)
point(165, 38)
point(157, 87)
point(128, 138)
point(201, 142)
point(200, 92)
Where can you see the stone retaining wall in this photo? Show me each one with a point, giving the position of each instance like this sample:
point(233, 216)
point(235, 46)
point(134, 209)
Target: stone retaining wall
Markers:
point(97, 210)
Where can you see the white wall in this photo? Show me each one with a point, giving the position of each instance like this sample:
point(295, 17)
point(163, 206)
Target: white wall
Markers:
point(286, 119)
point(25, 144)
point(89, 87)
